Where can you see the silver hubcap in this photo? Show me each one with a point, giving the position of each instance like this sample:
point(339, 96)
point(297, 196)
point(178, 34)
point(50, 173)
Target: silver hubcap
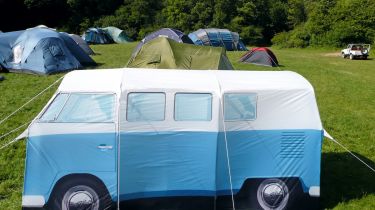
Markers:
point(273, 194)
point(80, 198)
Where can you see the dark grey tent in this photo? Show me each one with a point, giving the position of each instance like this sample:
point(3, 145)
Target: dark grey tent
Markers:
point(260, 56)
point(41, 51)
point(170, 33)
point(82, 43)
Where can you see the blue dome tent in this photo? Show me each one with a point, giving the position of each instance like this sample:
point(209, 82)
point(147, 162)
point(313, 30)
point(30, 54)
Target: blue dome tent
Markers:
point(41, 51)
point(218, 38)
point(97, 36)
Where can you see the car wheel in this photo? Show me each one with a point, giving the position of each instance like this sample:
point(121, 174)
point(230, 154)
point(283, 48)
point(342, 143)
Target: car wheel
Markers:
point(343, 55)
point(351, 57)
point(273, 194)
point(81, 194)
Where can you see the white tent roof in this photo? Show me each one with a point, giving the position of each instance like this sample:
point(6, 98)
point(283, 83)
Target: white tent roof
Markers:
point(110, 80)
point(285, 100)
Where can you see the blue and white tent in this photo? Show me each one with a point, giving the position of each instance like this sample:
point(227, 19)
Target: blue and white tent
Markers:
point(41, 51)
point(218, 38)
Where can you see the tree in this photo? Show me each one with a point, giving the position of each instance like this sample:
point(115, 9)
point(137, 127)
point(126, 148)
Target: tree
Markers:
point(296, 13)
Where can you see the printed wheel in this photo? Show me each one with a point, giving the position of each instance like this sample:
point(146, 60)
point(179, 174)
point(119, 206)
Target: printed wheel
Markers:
point(81, 194)
point(273, 194)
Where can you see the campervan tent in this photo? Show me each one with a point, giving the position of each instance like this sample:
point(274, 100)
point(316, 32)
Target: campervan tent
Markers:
point(260, 56)
point(80, 42)
point(164, 53)
point(176, 139)
point(97, 36)
point(40, 51)
point(117, 35)
point(170, 33)
point(218, 38)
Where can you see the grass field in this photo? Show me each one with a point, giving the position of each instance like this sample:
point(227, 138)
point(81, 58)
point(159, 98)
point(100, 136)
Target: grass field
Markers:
point(345, 91)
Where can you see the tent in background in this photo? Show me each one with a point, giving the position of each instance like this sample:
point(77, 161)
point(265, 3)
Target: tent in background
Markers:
point(44, 26)
point(164, 53)
point(97, 36)
point(41, 51)
point(218, 38)
point(260, 56)
point(117, 34)
point(85, 47)
point(170, 33)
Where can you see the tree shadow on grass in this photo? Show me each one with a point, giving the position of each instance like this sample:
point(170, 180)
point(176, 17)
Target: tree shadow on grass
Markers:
point(344, 178)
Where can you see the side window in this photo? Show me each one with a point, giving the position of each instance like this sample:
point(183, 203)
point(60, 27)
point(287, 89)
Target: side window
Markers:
point(145, 107)
point(240, 106)
point(193, 107)
point(81, 108)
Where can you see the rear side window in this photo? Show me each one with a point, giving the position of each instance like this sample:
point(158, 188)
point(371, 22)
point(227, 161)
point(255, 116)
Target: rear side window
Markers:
point(145, 107)
point(81, 108)
point(240, 106)
point(193, 107)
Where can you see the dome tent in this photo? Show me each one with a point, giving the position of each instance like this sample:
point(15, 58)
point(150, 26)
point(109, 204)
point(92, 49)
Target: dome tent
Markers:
point(40, 51)
point(117, 35)
point(164, 53)
point(170, 33)
point(260, 56)
point(97, 36)
point(218, 38)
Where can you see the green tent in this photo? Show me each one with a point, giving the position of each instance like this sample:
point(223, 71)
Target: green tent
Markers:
point(164, 53)
point(117, 34)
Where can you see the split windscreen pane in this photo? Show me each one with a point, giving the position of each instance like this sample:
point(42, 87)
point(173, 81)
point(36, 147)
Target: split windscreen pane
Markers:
point(193, 107)
point(145, 107)
point(55, 108)
point(88, 108)
point(240, 106)
point(81, 108)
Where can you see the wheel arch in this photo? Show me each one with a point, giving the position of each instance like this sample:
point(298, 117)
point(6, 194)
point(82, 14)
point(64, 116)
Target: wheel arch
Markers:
point(251, 183)
point(68, 177)
point(247, 195)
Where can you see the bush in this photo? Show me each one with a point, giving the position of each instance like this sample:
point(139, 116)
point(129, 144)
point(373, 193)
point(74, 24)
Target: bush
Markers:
point(299, 37)
point(281, 39)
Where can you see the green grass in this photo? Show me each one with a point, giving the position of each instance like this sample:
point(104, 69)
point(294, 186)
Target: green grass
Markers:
point(345, 91)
